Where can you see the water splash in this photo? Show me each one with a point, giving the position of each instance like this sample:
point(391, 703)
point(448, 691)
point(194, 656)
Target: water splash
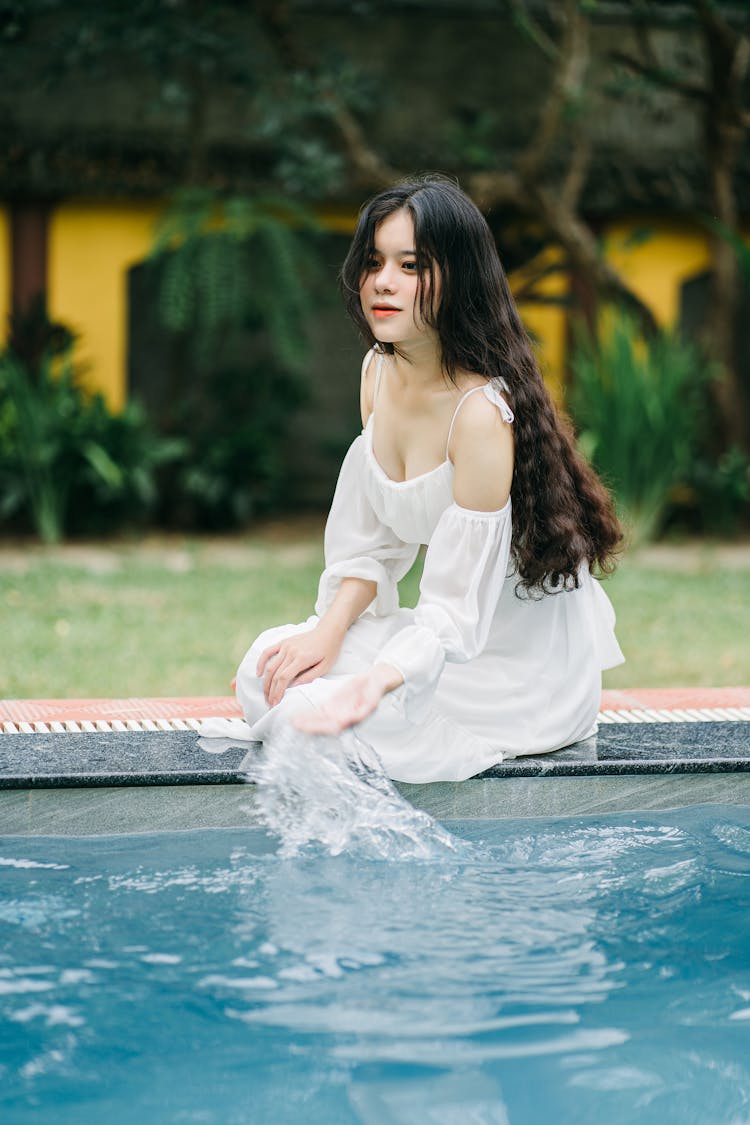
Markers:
point(332, 791)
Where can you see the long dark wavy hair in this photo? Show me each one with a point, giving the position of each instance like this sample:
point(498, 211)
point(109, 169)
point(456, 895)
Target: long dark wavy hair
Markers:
point(562, 513)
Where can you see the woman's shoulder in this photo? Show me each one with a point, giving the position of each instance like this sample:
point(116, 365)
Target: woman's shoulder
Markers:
point(481, 410)
point(481, 449)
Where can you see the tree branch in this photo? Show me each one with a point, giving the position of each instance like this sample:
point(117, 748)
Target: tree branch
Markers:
point(565, 92)
point(523, 189)
point(566, 228)
point(531, 276)
point(659, 76)
point(369, 168)
point(532, 28)
point(577, 173)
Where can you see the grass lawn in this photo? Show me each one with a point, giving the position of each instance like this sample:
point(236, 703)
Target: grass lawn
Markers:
point(174, 617)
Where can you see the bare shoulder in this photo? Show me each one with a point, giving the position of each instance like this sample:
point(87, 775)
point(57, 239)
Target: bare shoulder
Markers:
point(367, 385)
point(481, 450)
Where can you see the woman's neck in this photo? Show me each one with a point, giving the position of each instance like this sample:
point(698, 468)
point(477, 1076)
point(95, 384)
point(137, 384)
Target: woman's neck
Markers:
point(420, 366)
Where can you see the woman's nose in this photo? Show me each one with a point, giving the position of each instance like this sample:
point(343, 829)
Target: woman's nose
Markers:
point(384, 278)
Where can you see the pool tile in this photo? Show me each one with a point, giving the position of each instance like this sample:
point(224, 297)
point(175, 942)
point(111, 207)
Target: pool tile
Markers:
point(618, 705)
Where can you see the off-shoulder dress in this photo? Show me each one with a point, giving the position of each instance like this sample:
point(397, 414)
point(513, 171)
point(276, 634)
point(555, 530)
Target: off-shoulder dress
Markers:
point(490, 672)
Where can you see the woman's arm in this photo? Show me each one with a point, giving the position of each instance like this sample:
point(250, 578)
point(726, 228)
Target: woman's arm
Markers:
point(482, 454)
point(305, 656)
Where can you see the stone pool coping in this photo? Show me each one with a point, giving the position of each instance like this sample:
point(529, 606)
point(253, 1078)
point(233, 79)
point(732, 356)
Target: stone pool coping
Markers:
point(89, 766)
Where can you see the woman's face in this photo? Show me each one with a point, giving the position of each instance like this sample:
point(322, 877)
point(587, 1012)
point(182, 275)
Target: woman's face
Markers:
point(390, 287)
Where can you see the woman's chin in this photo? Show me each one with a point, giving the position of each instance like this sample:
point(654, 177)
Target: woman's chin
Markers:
point(386, 335)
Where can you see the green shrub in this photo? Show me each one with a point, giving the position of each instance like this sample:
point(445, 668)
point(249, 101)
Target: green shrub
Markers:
point(720, 491)
point(640, 410)
point(67, 463)
point(229, 261)
point(233, 281)
point(232, 425)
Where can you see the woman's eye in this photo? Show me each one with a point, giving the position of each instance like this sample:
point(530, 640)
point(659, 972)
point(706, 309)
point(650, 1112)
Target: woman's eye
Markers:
point(373, 264)
point(410, 266)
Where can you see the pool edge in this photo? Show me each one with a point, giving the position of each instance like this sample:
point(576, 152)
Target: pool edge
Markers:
point(115, 811)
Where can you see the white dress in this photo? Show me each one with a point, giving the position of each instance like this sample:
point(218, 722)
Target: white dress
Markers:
point(488, 673)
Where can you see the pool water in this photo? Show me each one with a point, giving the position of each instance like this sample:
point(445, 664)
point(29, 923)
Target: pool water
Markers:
point(581, 970)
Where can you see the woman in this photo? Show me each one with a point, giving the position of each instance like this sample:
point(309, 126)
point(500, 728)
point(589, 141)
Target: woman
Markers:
point(461, 450)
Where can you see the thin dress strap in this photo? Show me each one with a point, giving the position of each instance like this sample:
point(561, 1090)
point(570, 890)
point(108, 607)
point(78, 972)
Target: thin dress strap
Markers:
point(378, 372)
point(493, 396)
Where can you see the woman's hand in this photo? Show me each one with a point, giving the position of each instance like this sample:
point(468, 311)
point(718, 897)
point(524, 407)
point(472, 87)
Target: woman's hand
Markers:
point(297, 660)
point(357, 699)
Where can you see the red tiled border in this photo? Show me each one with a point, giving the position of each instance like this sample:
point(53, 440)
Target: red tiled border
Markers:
point(668, 699)
point(80, 710)
point(198, 707)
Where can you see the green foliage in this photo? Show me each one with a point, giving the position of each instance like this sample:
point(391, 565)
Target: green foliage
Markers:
point(66, 462)
point(230, 263)
point(471, 138)
point(234, 468)
point(640, 409)
point(721, 491)
point(233, 296)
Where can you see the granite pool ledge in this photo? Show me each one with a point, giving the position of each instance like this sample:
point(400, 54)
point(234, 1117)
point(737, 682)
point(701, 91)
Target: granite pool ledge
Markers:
point(164, 758)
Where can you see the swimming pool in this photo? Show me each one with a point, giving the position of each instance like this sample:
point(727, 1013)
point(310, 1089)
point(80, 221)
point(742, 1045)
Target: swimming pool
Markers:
point(551, 969)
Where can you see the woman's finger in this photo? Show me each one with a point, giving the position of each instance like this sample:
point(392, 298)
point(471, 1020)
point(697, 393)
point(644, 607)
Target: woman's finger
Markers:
point(273, 664)
point(266, 655)
point(307, 675)
point(282, 677)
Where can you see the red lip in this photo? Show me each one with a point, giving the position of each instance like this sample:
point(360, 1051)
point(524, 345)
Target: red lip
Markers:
point(382, 311)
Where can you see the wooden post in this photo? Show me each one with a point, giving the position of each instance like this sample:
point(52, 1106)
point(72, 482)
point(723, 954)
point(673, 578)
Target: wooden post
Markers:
point(29, 224)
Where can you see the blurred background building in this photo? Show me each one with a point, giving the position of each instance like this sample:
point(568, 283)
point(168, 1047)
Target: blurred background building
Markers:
point(179, 180)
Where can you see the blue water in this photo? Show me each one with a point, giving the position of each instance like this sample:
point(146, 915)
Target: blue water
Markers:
point(582, 970)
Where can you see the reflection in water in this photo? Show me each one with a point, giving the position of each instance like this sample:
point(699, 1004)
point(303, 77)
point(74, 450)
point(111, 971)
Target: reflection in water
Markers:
point(449, 1099)
point(572, 971)
point(486, 956)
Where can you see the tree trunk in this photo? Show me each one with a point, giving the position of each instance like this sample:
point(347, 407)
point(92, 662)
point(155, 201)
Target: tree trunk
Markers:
point(725, 125)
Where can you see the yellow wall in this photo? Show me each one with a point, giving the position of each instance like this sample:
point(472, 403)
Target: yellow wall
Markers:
point(656, 266)
point(91, 248)
point(340, 220)
point(655, 255)
point(4, 273)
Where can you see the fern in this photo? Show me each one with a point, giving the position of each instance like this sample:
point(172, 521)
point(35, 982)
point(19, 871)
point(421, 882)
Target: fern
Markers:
point(230, 263)
point(638, 407)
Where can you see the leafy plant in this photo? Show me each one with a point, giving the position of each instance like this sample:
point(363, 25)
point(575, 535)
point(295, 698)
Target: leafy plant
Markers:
point(233, 299)
point(229, 261)
point(234, 468)
point(721, 491)
point(639, 406)
point(66, 462)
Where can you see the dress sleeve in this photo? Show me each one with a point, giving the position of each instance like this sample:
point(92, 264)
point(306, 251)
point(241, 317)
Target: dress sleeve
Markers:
point(358, 544)
point(465, 568)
